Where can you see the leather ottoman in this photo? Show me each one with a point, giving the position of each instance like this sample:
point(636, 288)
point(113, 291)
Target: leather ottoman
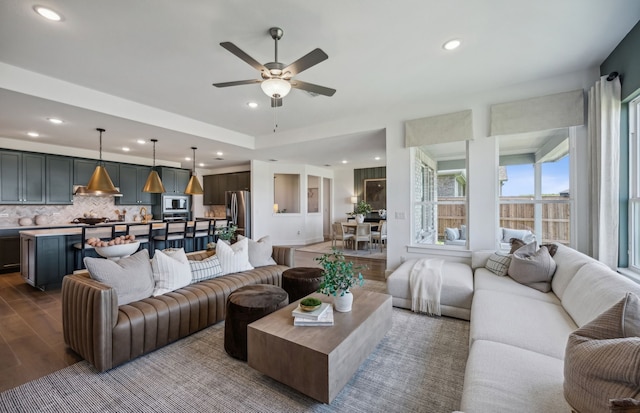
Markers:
point(301, 281)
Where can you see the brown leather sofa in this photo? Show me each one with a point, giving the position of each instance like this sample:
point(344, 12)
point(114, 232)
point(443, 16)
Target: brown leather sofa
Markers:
point(107, 335)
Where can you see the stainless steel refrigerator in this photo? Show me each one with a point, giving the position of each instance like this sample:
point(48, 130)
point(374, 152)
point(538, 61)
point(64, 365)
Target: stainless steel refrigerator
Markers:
point(238, 204)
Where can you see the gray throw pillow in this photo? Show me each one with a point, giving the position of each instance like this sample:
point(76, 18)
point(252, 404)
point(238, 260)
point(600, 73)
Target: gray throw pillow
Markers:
point(452, 234)
point(130, 276)
point(260, 251)
point(533, 268)
point(602, 359)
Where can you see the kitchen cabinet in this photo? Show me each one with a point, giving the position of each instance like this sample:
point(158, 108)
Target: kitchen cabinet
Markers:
point(83, 170)
point(41, 260)
point(216, 185)
point(174, 180)
point(134, 178)
point(59, 180)
point(9, 254)
point(22, 178)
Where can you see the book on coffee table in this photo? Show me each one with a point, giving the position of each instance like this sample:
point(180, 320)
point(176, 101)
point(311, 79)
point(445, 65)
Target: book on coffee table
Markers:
point(311, 315)
point(326, 319)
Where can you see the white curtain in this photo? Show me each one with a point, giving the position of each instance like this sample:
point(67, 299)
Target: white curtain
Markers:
point(604, 148)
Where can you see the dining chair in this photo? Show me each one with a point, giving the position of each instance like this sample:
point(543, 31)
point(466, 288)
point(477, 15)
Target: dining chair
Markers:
point(103, 232)
point(200, 234)
point(339, 234)
point(143, 233)
point(363, 234)
point(218, 225)
point(173, 234)
point(381, 235)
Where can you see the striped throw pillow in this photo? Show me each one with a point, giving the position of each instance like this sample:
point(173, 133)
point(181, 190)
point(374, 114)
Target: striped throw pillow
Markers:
point(171, 271)
point(205, 269)
point(233, 258)
point(498, 263)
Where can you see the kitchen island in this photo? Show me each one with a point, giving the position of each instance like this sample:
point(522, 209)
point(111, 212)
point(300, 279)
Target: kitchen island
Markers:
point(47, 255)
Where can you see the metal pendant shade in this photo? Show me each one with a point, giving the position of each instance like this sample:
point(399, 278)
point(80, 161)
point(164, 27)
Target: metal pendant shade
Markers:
point(100, 182)
point(154, 183)
point(194, 187)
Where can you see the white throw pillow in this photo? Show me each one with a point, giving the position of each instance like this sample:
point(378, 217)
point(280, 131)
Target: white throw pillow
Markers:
point(452, 234)
point(233, 258)
point(171, 270)
point(130, 276)
point(260, 251)
point(205, 269)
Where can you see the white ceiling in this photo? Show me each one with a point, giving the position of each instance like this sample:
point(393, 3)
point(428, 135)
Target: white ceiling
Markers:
point(144, 69)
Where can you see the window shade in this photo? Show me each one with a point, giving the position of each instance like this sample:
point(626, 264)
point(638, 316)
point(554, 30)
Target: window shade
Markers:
point(452, 127)
point(561, 110)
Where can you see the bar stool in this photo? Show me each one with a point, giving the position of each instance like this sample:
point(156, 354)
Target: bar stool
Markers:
point(143, 233)
point(103, 232)
point(200, 234)
point(219, 224)
point(174, 234)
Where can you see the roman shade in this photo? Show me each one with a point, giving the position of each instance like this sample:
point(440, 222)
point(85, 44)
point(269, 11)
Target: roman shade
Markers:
point(451, 127)
point(561, 110)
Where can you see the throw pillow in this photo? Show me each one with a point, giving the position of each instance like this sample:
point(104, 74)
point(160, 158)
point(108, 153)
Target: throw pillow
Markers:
point(602, 359)
point(205, 269)
point(130, 276)
point(260, 251)
point(233, 258)
point(452, 234)
point(498, 263)
point(532, 268)
point(508, 233)
point(516, 243)
point(463, 232)
point(553, 248)
point(171, 270)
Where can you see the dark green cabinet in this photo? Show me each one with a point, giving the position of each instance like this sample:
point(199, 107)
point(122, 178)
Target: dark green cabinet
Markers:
point(215, 186)
point(83, 170)
point(133, 179)
point(22, 178)
point(59, 180)
point(41, 260)
point(174, 180)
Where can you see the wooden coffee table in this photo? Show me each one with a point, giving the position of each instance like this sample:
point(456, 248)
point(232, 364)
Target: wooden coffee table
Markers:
point(319, 361)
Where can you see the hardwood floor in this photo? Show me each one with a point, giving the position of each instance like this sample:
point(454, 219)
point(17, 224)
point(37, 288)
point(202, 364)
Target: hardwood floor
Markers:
point(31, 337)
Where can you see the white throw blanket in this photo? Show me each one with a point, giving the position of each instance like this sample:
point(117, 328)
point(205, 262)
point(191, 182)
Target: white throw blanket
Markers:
point(425, 281)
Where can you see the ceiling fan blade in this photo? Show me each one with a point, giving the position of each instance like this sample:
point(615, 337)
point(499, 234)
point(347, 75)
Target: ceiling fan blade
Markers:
point(310, 87)
point(276, 102)
point(237, 83)
point(310, 59)
point(242, 55)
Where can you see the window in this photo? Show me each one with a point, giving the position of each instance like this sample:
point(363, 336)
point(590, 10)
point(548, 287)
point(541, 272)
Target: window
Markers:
point(440, 194)
point(313, 194)
point(286, 193)
point(534, 187)
point(634, 185)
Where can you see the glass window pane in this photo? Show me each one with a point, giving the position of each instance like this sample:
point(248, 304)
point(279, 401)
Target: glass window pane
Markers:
point(517, 181)
point(556, 220)
point(555, 177)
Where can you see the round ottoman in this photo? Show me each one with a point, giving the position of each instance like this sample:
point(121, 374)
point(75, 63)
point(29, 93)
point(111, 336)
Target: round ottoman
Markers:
point(301, 281)
point(244, 306)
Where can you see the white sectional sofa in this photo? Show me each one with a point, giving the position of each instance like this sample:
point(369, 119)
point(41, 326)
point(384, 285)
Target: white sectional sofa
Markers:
point(518, 334)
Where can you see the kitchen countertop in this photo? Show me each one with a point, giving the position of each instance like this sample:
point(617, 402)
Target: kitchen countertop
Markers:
point(76, 229)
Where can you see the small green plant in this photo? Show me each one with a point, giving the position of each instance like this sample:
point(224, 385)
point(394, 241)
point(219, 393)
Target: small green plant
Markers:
point(310, 302)
point(339, 274)
point(362, 208)
point(227, 233)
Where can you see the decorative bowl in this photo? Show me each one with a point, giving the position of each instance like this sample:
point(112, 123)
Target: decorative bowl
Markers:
point(115, 252)
point(310, 304)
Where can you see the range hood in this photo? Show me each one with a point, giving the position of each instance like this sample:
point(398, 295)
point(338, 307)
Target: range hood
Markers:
point(81, 190)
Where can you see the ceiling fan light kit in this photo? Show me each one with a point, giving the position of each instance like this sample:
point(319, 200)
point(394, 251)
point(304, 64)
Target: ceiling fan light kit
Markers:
point(276, 78)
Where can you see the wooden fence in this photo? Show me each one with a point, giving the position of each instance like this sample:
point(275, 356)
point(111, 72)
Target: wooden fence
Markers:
point(555, 217)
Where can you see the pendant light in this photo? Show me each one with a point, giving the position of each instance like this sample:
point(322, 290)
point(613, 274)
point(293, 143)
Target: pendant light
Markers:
point(154, 184)
point(100, 182)
point(193, 187)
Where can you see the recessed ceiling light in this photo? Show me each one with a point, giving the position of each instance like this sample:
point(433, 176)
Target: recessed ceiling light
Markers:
point(344, 161)
point(187, 158)
point(33, 134)
point(273, 160)
point(219, 153)
point(54, 120)
point(141, 141)
point(201, 164)
point(252, 105)
point(126, 148)
point(452, 44)
point(47, 13)
point(377, 158)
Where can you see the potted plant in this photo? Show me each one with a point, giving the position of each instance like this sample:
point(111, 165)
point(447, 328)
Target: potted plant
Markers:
point(227, 233)
point(339, 276)
point(361, 209)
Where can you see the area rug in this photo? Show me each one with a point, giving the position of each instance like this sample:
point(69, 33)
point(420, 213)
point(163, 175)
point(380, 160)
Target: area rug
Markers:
point(325, 247)
point(417, 367)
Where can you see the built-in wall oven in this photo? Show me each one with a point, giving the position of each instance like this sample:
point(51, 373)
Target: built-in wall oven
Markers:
point(175, 207)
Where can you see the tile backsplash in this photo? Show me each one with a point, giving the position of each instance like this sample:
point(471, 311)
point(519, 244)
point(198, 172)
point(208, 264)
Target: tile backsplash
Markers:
point(63, 214)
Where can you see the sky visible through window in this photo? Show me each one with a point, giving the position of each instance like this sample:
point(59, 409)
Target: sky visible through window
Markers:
point(555, 178)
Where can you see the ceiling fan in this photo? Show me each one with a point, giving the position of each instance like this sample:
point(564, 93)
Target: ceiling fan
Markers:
point(277, 79)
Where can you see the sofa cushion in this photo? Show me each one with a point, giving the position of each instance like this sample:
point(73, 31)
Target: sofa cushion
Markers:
point(205, 269)
point(532, 268)
point(498, 263)
point(523, 234)
point(594, 289)
point(234, 258)
point(520, 321)
point(603, 358)
point(130, 277)
point(486, 280)
point(568, 262)
point(260, 251)
point(503, 378)
point(171, 270)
